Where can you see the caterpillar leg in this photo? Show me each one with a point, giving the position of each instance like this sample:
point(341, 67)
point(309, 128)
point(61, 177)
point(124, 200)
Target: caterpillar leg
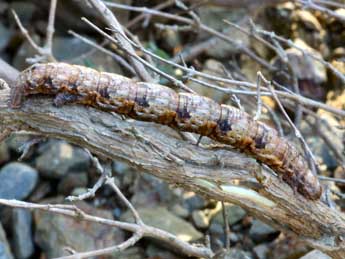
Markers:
point(64, 98)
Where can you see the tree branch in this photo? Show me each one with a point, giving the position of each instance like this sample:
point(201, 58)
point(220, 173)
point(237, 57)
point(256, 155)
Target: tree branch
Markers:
point(207, 170)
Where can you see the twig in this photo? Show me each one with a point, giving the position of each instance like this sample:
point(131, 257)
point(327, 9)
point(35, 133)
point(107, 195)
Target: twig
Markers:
point(104, 172)
point(116, 57)
point(146, 17)
point(310, 5)
point(110, 19)
point(109, 250)
point(226, 227)
point(50, 27)
point(331, 179)
point(45, 52)
point(311, 158)
point(110, 181)
point(286, 94)
point(202, 27)
point(290, 43)
point(176, 82)
point(259, 76)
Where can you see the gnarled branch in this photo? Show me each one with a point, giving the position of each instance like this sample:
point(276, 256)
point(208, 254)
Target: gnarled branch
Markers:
point(207, 170)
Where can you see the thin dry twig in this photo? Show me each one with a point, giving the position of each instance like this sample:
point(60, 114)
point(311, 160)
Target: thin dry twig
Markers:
point(104, 172)
point(259, 76)
point(310, 156)
point(116, 57)
point(226, 227)
point(201, 27)
point(176, 82)
point(285, 94)
point(291, 44)
point(110, 19)
point(309, 4)
point(45, 52)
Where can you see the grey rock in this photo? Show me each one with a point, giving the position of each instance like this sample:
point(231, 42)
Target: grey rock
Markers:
point(55, 232)
point(5, 251)
point(260, 231)
point(216, 228)
point(195, 202)
point(5, 36)
point(71, 181)
point(150, 191)
point(17, 181)
point(315, 254)
point(304, 66)
point(22, 236)
point(179, 211)
point(130, 253)
point(154, 251)
point(235, 214)
point(58, 158)
point(161, 218)
point(261, 251)
point(76, 47)
point(200, 220)
point(15, 142)
point(213, 17)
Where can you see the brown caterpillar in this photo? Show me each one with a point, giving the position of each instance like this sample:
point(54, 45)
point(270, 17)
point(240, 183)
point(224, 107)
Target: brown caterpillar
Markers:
point(160, 104)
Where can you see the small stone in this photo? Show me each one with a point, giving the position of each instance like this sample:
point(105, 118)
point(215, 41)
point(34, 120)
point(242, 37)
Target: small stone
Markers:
point(130, 253)
point(17, 181)
point(149, 191)
point(261, 251)
point(22, 238)
point(216, 228)
point(213, 17)
point(179, 211)
point(235, 214)
point(261, 232)
point(161, 218)
point(200, 220)
point(153, 251)
point(5, 36)
point(56, 232)
point(78, 191)
point(5, 252)
point(195, 202)
point(71, 181)
point(58, 158)
point(315, 254)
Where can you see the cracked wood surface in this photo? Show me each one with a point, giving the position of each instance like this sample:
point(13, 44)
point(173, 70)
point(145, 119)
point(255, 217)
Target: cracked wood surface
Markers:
point(207, 170)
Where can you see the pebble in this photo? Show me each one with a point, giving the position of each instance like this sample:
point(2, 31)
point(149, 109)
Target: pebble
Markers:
point(200, 220)
point(58, 158)
point(261, 232)
point(315, 254)
point(17, 181)
point(22, 238)
point(161, 218)
point(56, 232)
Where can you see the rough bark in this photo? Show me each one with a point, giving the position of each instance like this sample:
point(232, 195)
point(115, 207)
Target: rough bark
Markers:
point(207, 170)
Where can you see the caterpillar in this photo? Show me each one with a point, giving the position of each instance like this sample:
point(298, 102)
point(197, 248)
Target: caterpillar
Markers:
point(160, 104)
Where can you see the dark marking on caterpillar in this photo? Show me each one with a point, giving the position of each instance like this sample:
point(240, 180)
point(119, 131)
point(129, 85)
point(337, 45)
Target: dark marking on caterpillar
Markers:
point(160, 104)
